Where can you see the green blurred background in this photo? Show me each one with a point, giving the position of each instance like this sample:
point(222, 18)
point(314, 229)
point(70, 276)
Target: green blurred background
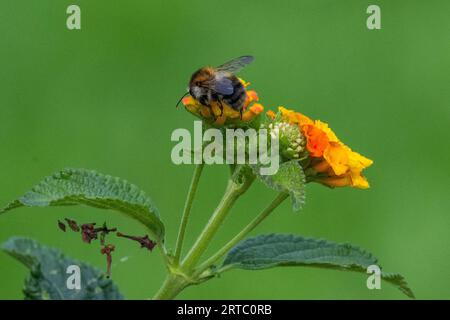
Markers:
point(103, 98)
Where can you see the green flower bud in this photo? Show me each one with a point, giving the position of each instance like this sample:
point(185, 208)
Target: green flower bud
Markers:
point(291, 140)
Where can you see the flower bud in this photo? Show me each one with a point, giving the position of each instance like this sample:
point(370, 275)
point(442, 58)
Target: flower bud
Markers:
point(291, 140)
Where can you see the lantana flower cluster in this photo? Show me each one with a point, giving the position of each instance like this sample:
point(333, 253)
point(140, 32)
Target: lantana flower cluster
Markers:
point(325, 158)
point(331, 162)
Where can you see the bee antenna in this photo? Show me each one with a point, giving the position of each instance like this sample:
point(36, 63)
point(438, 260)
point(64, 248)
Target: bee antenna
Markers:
point(184, 95)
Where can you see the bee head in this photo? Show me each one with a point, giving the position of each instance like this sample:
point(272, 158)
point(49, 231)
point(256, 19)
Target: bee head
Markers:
point(198, 85)
point(196, 91)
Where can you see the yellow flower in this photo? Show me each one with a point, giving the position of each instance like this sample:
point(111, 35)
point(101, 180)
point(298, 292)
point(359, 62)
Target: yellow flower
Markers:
point(357, 161)
point(358, 181)
point(336, 155)
point(244, 83)
point(346, 166)
point(294, 117)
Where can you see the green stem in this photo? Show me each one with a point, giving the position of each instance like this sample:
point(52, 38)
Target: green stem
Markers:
point(187, 210)
point(163, 250)
point(180, 276)
point(233, 192)
point(171, 287)
point(241, 235)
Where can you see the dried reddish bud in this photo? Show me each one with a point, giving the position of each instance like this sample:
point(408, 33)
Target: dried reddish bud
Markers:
point(144, 241)
point(73, 225)
point(88, 232)
point(108, 249)
point(103, 232)
point(61, 225)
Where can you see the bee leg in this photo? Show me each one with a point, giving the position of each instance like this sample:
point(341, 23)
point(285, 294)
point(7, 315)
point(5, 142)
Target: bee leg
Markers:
point(240, 112)
point(221, 107)
point(212, 113)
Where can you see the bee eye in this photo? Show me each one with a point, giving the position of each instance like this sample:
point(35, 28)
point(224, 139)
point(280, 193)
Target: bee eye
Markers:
point(198, 83)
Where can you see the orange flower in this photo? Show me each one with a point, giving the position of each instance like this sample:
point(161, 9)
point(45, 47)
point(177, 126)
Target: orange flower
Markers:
point(317, 133)
point(335, 164)
point(252, 96)
point(252, 112)
point(316, 140)
point(271, 114)
point(324, 127)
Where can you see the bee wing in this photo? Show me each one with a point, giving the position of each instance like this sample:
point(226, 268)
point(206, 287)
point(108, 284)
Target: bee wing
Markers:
point(237, 64)
point(222, 84)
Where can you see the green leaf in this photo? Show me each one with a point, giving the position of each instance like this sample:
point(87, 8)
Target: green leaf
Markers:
point(81, 186)
point(48, 277)
point(289, 178)
point(267, 251)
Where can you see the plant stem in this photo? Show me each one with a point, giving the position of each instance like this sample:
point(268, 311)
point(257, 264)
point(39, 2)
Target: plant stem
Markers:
point(232, 193)
point(180, 276)
point(171, 287)
point(187, 210)
point(162, 249)
point(241, 235)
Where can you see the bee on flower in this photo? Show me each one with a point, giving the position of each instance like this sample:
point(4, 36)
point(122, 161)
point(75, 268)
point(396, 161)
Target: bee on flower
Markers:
point(219, 97)
point(228, 116)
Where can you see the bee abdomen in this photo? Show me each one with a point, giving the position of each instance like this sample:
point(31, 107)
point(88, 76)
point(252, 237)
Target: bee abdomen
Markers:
point(237, 99)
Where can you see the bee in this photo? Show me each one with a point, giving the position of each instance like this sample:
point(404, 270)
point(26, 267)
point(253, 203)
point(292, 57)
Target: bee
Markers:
point(220, 84)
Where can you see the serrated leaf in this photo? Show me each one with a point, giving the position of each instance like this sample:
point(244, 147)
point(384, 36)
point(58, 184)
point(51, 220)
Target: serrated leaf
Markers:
point(289, 178)
point(47, 279)
point(81, 186)
point(267, 251)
